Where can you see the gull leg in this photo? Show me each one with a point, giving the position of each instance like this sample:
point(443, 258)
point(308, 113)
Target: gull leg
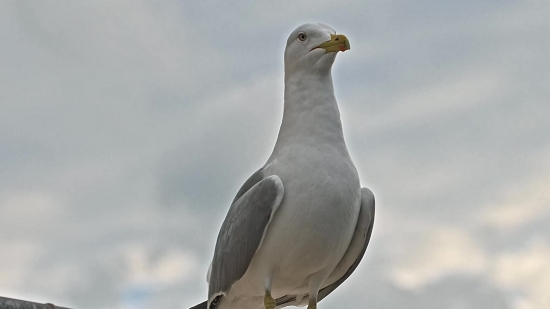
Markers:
point(269, 302)
point(314, 284)
point(312, 303)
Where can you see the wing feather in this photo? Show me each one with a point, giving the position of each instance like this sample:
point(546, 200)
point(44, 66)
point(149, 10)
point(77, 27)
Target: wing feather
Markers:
point(357, 247)
point(242, 232)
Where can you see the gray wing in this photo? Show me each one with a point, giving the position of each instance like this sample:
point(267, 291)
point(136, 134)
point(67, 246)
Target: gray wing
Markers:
point(251, 181)
point(242, 232)
point(357, 247)
point(351, 258)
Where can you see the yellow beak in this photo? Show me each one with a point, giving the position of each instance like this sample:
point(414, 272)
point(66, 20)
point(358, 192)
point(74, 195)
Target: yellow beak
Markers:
point(338, 42)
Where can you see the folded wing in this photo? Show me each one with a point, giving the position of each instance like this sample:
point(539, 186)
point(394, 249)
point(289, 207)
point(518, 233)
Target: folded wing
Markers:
point(242, 232)
point(357, 247)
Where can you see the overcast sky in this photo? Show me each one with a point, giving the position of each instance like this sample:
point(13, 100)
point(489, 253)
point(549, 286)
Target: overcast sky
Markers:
point(126, 128)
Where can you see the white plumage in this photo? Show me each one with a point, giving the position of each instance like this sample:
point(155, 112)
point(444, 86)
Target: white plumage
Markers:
point(306, 202)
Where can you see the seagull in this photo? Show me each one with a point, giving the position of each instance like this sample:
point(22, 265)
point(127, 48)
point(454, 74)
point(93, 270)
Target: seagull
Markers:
point(300, 225)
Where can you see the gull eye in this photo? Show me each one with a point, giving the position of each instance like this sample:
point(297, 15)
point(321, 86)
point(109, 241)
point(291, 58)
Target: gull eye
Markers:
point(302, 36)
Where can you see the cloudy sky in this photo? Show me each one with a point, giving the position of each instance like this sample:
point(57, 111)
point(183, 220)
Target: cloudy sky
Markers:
point(126, 128)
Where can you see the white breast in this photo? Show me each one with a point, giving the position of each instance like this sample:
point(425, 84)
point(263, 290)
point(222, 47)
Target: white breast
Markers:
point(315, 222)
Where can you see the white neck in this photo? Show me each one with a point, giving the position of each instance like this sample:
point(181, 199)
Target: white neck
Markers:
point(311, 115)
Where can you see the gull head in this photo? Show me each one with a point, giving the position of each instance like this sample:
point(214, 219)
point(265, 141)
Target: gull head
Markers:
point(312, 48)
